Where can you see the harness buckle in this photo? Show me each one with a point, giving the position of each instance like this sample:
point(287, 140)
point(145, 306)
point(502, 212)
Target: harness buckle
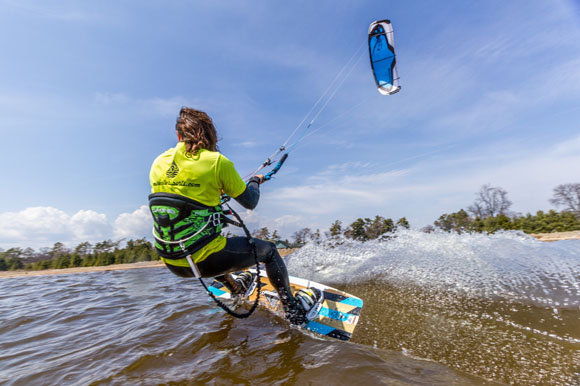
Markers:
point(215, 219)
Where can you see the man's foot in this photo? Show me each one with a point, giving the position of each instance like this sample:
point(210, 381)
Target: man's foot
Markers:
point(306, 306)
point(243, 282)
point(308, 297)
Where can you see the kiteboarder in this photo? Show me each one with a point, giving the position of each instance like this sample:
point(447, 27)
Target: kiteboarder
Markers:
point(194, 175)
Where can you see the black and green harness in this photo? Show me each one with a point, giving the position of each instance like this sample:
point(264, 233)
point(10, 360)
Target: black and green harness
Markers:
point(182, 226)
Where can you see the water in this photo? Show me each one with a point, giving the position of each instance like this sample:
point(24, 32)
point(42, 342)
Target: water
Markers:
point(439, 309)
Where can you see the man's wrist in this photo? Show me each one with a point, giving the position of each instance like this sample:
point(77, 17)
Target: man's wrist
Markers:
point(255, 179)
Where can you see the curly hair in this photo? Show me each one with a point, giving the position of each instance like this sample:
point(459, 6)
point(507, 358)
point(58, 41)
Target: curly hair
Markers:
point(196, 130)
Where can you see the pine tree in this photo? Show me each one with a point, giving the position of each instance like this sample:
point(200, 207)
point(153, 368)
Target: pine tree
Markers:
point(335, 228)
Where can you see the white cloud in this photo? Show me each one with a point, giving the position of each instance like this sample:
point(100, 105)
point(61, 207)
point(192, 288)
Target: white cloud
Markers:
point(43, 226)
point(247, 144)
point(157, 106)
point(32, 222)
point(334, 191)
point(38, 227)
point(163, 106)
point(109, 98)
point(568, 147)
point(88, 224)
point(256, 219)
point(285, 221)
point(504, 107)
point(134, 225)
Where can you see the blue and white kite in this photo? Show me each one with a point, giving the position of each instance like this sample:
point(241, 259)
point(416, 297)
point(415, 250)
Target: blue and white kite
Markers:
point(382, 53)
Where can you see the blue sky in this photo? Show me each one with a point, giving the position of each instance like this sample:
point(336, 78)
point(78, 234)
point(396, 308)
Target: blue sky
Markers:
point(89, 93)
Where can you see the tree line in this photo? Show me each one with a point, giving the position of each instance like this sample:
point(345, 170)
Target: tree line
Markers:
point(490, 212)
point(362, 229)
point(83, 255)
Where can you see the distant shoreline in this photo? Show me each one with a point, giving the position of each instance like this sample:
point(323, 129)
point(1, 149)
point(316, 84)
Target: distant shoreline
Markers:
point(104, 268)
point(548, 237)
point(557, 236)
point(62, 271)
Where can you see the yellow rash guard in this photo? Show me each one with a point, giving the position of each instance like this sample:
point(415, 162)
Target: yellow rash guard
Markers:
point(201, 177)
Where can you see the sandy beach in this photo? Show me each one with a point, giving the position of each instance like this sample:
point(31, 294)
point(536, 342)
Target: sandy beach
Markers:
point(114, 267)
point(557, 236)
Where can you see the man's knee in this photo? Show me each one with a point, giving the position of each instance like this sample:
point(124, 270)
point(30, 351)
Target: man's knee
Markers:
point(180, 271)
point(265, 249)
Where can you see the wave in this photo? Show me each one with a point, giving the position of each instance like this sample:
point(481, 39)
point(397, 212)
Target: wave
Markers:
point(507, 264)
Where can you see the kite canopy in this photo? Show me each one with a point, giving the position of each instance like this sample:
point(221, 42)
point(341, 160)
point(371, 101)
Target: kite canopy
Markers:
point(382, 54)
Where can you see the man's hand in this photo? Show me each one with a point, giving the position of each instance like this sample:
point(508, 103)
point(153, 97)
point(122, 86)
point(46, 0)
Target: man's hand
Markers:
point(258, 178)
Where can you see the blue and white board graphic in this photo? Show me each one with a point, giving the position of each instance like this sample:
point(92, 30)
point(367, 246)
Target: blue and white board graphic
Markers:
point(338, 314)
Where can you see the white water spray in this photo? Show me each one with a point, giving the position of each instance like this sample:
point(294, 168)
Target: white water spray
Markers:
point(507, 264)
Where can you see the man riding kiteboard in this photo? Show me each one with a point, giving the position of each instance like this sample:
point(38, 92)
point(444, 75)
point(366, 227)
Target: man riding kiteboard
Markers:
point(187, 183)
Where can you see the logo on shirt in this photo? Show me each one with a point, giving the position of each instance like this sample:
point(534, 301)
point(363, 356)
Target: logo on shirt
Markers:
point(172, 171)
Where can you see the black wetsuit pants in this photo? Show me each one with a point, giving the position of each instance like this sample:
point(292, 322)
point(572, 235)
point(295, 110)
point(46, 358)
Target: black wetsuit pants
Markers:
point(237, 256)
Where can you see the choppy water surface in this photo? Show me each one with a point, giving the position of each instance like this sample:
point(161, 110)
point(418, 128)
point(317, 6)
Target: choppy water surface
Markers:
point(439, 309)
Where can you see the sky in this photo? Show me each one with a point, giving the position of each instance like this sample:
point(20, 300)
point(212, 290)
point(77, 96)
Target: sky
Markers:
point(90, 91)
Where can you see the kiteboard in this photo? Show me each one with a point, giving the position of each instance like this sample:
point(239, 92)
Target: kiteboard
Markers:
point(335, 316)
